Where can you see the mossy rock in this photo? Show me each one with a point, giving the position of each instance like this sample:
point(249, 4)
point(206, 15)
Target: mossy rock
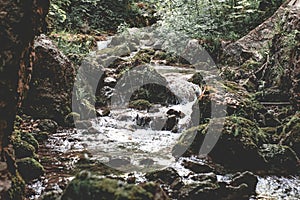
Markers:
point(237, 146)
point(120, 50)
point(22, 148)
point(71, 119)
point(30, 169)
point(30, 139)
point(233, 98)
point(280, 158)
point(140, 104)
point(160, 55)
point(290, 135)
point(143, 56)
point(48, 125)
point(41, 136)
point(197, 79)
point(90, 187)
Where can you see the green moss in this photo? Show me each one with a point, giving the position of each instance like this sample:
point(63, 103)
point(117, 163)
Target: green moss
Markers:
point(17, 188)
point(291, 133)
point(30, 169)
point(140, 104)
point(120, 50)
point(279, 157)
point(197, 78)
point(71, 118)
point(143, 56)
point(22, 148)
point(237, 145)
point(86, 186)
point(29, 138)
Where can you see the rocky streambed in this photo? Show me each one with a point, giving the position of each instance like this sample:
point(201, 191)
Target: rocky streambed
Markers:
point(155, 111)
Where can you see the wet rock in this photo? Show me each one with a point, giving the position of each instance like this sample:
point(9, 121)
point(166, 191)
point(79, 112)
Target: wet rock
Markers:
point(104, 112)
point(29, 138)
point(84, 124)
point(118, 162)
point(41, 136)
point(118, 50)
point(110, 81)
point(229, 98)
point(178, 114)
point(280, 158)
point(201, 190)
point(131, 179)
point(52, 71)
point(48, 125)
point(211, 177)
point(167, 176)
point(94, 188)
point(171, 122)
point(92, 130)
point(29, 169)
point(237, 147)
point(22, 148)
point(142, 121)
point(51, 195)
point(241, 186)
point(247, 178)
point(197, 167)
point(197, 79)
point(72, 118)
point(158, 123)
point(147, 161)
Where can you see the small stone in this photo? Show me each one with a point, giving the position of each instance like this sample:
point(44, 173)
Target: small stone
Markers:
point(197, 167)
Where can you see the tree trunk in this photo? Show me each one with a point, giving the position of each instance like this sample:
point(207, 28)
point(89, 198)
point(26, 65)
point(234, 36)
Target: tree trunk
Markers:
point(20, 21)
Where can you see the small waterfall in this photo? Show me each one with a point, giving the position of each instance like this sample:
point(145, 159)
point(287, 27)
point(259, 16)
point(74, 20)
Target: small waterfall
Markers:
point(135, 135)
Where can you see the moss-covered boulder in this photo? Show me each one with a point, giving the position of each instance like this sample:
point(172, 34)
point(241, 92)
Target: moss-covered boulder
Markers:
point(90, 187)
point(140, 104)
point(22, 148)
point(290, 135)
point(30, 139)
point(48, 125)
point(232, 98)
point(72, 118)
point(237, 146)
point(280, 158)
point(41, 136)
point(30, 169)
point(52, 82)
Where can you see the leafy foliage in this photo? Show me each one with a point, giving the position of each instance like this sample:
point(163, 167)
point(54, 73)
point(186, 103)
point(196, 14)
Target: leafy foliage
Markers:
point(213, 21)
point(101, 15)
point(218, 18)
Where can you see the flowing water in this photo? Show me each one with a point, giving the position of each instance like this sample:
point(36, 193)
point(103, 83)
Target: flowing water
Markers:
point(120, 139)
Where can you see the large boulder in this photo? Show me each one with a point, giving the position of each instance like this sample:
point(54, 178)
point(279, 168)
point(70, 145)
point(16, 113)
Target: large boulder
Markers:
point(52, 81)
point(86, 186)
point(207, 186)
point(230, 98)
point(237, 147)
